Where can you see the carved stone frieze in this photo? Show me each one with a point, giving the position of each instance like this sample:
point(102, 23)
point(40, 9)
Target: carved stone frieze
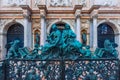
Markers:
point(37, 2)
point(85, 24)
point(82, 2)
point(13, 3)
point(60, 2)
point(106, 2)
point(36, 23)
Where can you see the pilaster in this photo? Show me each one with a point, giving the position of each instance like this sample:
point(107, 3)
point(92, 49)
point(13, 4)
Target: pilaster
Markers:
point(43, 10)
point(77, 10)
point(27, 26)
point(93, 26)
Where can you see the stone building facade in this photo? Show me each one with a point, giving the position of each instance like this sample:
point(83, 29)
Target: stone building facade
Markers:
point(22, 19)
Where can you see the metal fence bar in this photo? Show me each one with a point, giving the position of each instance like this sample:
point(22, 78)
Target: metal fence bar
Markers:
point(22, 69)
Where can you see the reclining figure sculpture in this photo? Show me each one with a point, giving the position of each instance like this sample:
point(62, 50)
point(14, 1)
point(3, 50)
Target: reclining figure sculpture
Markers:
point(108, 51)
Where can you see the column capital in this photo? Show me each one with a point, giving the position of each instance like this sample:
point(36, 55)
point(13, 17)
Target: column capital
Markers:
point(94, 7)
point(78, 7)
point(42, 7)
point(26, 11)
point(94, 11)
point(77, 10)
point(42, 14)
point(77, 13)
point(94, 16)
point(43, 10)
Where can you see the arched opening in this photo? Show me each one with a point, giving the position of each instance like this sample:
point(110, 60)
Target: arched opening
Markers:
point(36, 32)
point(60, 23)
point(105, 31)
point(15, 32)
point(60, 26)
point(84, 36)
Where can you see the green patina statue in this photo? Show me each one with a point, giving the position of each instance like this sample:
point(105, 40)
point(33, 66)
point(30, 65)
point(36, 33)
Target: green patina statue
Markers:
point(84, 38)
point(61, 45)
point(37, 40)
point(72, 49)
point(35, 52)
point(87, 52)
point(52, 48)
point(13, 50)
point(108, 51)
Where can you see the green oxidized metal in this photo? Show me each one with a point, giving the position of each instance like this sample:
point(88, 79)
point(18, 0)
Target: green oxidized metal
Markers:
point(62, 45)
point(61, 58)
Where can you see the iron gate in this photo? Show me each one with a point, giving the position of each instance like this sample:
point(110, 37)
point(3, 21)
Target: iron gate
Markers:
point(82, 69)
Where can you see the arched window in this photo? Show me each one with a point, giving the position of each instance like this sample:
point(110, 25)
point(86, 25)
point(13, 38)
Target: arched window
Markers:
point(16, 32)
point(104, 31)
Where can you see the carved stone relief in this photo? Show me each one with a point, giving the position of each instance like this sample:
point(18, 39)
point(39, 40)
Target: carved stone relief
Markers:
point(106, 2)
point(85, 24)
point(36, 24)
point(60, 2)
point(14, 2)
point(82, 2)
point(37, 2)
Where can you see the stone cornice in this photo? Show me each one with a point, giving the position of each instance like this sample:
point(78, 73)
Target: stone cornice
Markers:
point(43, 10)
point(94, 7)
point(109, 11)
point(60, 12)
point(11, 12)
point(25, 7)
point(26, 12)
point(42, 7)
point(78, 7)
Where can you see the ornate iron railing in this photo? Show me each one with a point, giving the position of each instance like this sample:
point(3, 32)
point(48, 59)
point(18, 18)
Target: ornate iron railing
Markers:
point(82, 69)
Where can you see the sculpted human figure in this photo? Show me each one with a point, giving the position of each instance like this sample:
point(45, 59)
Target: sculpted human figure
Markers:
point(70, 45)
point(37, 40)
point(87, 52)
point(109, 50)
point(12, 52)
point(84, 38)
point(52, 45)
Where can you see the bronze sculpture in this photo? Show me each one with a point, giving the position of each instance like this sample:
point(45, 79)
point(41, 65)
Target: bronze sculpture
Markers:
point(12, 52)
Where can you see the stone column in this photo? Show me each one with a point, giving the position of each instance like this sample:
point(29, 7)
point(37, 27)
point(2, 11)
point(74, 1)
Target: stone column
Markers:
point(94, 32)
point(78, 28)
point(42, 23)
point(91, 33)
point(78, 22)
point(93, 26)
point(43, 27)
point(27, 26)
